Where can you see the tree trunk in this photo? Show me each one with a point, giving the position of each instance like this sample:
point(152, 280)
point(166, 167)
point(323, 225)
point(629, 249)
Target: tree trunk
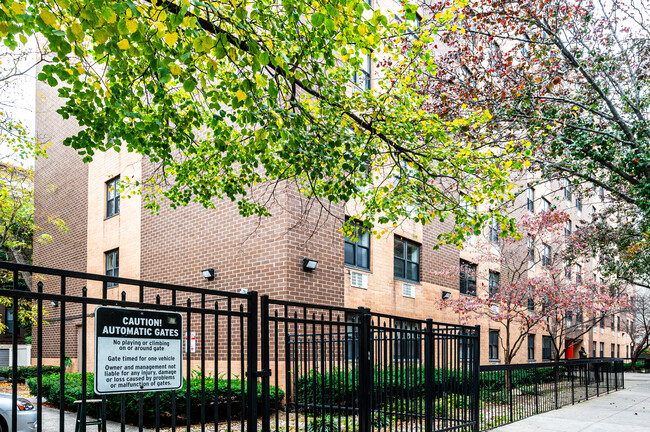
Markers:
point(20, 259)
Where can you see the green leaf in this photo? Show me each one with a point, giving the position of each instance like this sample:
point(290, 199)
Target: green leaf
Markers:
point(317, 19)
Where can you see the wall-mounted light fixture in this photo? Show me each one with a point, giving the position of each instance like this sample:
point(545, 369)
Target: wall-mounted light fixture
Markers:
point(54, 303)
point(208, 273)
point(309, 264)
point(446, 295)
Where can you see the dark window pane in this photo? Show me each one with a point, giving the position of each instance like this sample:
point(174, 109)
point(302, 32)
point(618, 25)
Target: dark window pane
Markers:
point(413, 252)
point(349, 254)
point(362, 257)
point(399, 248)
point(413, 272)
point(364, 239)
point(399, 268)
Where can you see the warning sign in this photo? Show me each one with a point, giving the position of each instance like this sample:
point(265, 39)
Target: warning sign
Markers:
point(137, 350)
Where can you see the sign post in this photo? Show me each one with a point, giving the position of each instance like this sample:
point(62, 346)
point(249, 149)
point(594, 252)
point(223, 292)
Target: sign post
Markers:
point(137, 350)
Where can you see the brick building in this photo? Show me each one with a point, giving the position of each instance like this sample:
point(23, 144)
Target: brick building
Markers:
point(117, 235)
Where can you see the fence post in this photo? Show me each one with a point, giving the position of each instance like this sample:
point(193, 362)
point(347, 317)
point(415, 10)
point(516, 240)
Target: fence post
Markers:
point(476, 365)
point(428, 377)
point(536, 391)
point(365, 371)
point(251, 390)
point(556, 373)
point(266, 367)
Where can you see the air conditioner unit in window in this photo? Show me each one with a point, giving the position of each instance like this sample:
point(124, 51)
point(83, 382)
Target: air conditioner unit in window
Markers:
point(359, 280)
point(408, 290)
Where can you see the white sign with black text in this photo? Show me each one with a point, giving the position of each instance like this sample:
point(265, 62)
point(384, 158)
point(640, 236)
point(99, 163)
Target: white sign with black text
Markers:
point(137, 350)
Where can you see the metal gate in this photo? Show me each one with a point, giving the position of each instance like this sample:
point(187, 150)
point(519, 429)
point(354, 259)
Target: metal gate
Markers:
point(351, 369)
point(322, 368)
point(222, 357)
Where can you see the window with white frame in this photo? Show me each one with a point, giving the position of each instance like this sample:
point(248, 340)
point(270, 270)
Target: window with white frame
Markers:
point(567, 189)
point(546, 204)
point(567, 228)
point(578, 273)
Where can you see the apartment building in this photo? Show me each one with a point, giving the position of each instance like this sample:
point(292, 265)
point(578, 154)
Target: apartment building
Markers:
point(399, 273)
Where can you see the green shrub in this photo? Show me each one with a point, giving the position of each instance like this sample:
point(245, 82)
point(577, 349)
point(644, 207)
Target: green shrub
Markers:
point(26, 372)
point(73, 391)
point(338, 387)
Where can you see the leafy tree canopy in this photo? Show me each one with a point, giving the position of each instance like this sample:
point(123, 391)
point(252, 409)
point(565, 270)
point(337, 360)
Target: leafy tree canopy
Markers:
point(224, 96)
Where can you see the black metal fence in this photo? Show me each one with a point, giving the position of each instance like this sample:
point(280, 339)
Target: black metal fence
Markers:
point(512, 392)
point(351, 369)
point(321, 368)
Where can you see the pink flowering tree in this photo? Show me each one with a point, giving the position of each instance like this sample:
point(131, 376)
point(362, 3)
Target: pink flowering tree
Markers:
point(536, 290)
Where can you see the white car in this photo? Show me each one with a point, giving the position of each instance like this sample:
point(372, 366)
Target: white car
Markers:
point(26, 416)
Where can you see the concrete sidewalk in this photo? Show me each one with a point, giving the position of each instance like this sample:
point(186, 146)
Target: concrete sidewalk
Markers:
point(626, 410)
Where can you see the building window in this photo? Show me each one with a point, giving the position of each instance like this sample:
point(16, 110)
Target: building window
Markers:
point(112, 265)
point(567, 228)
point(530, 304)
point(611, 324)
point(567, 189)
point(602, 349)
point(579, 204)
point(567, 270)
point(627, 351)
point(618, 350)
point(618, 323)
point(494, 282)
point(530, 199)
point(467, 277)
point(531, 347)
point(362, 76)
point(601, 193)
point(593, 349)
point(602, 321)
point(578, 273)
point(112, 197)
point(546, 204)
point(406, 260)
point(407, 340)
point(531, 250)
point(493, 351)
point(493, 231)
point(10, 320)
point(357, 247)
point(546, 255)
point(546, 348)
point(579, 318)
point(613, 352)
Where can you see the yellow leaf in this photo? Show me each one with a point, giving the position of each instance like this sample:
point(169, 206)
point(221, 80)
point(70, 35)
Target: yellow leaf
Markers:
point(18, 7)
point(132, 26)
point(113, 17)
point(175, 69)
point(80, 69)
point(240, 95)
point(76, 29)
point(362, 29)
point(171, 38)
point(123, 44)
point(48, 17)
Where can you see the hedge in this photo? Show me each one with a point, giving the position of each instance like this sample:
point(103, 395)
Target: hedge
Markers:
point(73, 383)
point(26, 372)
